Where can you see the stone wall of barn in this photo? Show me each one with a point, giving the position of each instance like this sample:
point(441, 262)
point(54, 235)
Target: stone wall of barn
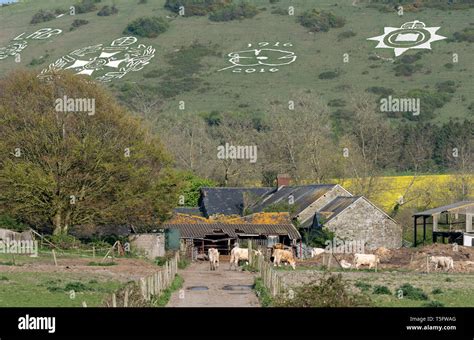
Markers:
point(362, 221)
point(314, 207)
point(151, 245)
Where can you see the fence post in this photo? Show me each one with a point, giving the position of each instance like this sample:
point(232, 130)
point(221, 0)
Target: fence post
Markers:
point(143, 287)
point(250, 250)
point(125, 298)
point(54, 257)
point(114, 300)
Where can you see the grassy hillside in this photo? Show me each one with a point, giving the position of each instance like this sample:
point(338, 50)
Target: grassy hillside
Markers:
point(178, 73)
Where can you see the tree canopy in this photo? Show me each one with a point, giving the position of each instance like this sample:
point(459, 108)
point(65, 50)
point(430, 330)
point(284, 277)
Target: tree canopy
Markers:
point(60, 169)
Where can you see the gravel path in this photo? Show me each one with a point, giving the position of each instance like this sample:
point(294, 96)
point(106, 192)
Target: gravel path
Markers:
point(198, 275)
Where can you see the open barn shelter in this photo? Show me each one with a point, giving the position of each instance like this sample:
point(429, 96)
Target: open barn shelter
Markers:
point(451, 223)
point(198, 238)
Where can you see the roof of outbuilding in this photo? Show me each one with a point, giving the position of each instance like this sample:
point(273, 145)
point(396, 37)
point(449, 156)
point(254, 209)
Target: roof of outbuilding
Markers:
point(446, 208)
point(227, 201)
point(188, 210)
point(189, 230)
point(303, 196)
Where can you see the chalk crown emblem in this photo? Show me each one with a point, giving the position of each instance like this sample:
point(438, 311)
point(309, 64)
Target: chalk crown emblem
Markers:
point(410, 35)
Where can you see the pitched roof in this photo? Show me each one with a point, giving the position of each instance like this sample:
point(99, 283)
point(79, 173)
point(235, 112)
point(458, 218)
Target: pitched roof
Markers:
point(446, 208)
point(204, 230)
point(336, 206)
point(188, 210)
point(303, 196)
point(227, 201)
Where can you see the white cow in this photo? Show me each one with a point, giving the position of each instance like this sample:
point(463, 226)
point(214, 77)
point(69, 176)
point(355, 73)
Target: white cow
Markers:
point(317, 251)
point(213, 258)
point(282, 255)
point(370, 260)
point(238, 254)
point(445, 262)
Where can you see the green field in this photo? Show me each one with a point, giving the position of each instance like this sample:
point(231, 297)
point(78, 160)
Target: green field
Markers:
point(450, 289)
point(252, 92)
point(33, 289)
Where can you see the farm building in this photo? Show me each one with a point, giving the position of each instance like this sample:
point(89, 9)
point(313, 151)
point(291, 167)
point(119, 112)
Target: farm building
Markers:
point(357, 219)
point(152, 245)
point(198, 234)
point(451, 222)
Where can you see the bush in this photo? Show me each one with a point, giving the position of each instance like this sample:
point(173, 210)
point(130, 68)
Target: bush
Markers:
point(381, 290)
point(234, 12)
point(274, 1)
point(406, 70)
point(8, 222)
point(149, 27)
point(412, 293)
point(86, 6)
point(107, 10)
point(42, 16)
point(363, 286)
point(437, 291)
point(320, 21)
point(380, 90)
point(77, 23)
point(346, 35)
point(328, 75)
point(280, 11)
point(75, 286)
point(447, 86)
point(329, 291)
point(433, 304)
point(39, 61)
point(196, 7)
point(64, 241)
point(466, 35)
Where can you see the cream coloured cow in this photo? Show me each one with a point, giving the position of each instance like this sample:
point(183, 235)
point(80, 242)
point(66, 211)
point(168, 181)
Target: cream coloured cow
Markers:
point(282, 255)
point(213, 254)
point(237, 254)
point(370, 260)
point(445, 262)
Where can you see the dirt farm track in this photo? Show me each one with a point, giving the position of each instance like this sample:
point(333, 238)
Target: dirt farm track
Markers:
point(225, 288)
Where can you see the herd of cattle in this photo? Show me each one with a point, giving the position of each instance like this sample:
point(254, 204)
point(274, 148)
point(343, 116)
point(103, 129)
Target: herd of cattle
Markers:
point(281, 255)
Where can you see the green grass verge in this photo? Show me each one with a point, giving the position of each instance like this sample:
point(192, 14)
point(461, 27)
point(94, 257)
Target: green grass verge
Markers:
point(164, 297)
point(262, 293)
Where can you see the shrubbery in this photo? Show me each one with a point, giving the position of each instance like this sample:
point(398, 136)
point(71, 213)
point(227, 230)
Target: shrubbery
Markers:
point(410, 292)
point(196, 7)
point(346, 35)
point(329, 291)
point(86, 6)
point(42, 16)
point(381, 290)
point(320, 21)
point(466, 34)
point(107, 10)
point(234, 12)
point(77, 23)
point(380, 90)
point(328, 75)
point(149, 27)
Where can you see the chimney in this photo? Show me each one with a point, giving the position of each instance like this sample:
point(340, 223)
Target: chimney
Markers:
point(283, 180)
